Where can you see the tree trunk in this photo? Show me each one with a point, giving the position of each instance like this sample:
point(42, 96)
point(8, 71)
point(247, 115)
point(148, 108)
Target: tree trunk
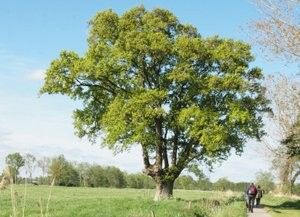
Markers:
point(164, 190)
point(293, 180)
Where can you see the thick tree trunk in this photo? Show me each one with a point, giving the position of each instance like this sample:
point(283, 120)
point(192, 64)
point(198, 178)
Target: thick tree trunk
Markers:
point(164, 190)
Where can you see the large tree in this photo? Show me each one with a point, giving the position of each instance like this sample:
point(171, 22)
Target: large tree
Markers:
point(282, 143)
point(148, 80)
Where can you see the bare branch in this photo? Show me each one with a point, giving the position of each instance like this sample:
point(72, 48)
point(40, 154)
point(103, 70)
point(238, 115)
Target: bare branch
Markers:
point(279, 28)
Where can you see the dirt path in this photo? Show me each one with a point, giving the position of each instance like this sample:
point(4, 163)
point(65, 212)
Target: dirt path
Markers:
point(259, 212)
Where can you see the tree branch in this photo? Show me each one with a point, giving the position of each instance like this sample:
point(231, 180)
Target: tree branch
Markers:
point(145, 157)
point(175, 148)
point(159, 144)
point(84, 84)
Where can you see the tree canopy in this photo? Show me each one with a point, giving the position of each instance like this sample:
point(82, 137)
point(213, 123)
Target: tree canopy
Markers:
point(148, 80)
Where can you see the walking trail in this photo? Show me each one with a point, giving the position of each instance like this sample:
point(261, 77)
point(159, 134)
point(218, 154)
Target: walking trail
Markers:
point(259, 212)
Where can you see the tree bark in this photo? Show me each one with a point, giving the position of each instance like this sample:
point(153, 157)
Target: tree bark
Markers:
point(164, 190)
point(293, 181)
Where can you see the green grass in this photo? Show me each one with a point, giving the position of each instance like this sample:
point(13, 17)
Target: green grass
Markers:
point(96, 202)
point(281, 206)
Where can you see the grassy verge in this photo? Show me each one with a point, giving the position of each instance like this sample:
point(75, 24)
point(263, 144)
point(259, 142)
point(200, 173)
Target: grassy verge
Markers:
point(281, 206)
point(102, 202)
point(234, 209)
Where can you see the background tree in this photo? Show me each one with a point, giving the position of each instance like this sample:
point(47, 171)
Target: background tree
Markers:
point(147, 79)
point(279, 28)
point(96, 177)
point(63, 172)
point(30, 164)
point(265, 180)
point(115, 177)
point(139, 180)
point(194, 168)
point(223, 184)
point(14, 162)
point(82, 169)
point(185, 182)
point(43, 163)
point(282, 141)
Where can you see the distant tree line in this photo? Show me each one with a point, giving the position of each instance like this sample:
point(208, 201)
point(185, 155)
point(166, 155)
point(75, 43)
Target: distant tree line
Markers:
point(68, 173)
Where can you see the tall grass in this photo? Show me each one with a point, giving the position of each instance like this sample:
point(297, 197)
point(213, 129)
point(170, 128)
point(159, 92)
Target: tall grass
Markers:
point(24, 199)
point(49, 197)
point(15, 197)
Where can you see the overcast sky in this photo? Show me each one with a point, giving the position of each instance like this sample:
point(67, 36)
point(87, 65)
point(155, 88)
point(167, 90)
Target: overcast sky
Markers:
point(33, 32)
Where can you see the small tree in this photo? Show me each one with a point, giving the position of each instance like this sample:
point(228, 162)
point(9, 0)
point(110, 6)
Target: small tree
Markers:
point(30, 164)
point(82, 169)
point(148, 80)
point(14, 162)
point(43, 163)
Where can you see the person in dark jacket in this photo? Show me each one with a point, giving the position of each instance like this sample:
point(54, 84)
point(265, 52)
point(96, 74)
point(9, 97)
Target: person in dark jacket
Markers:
point(258, 196)
point(251, 194)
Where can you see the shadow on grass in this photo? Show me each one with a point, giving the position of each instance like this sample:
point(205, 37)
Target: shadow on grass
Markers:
point(286, 205)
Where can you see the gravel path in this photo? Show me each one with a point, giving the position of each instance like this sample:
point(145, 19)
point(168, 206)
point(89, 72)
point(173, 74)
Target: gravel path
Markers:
point(259, 212)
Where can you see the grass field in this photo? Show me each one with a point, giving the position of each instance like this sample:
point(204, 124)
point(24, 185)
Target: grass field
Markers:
point(96, 202)
point(282, 206)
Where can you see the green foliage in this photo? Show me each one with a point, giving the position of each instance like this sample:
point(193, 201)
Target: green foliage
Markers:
point(117, 59)
point(96, 177)
point(147, 79)
point(14, 162)
point(265, 180)
point(139, 180)
point(292, 142)
point(223, 184)
point(194, 168)
point(185, 182)
point(63, 172)
point(115, 177)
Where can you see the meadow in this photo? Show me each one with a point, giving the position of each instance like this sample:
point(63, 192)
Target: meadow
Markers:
point(112, 202)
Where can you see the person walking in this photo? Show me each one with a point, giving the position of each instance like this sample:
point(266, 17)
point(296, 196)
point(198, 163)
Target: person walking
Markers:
point(258, 196)
point(251, 194)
